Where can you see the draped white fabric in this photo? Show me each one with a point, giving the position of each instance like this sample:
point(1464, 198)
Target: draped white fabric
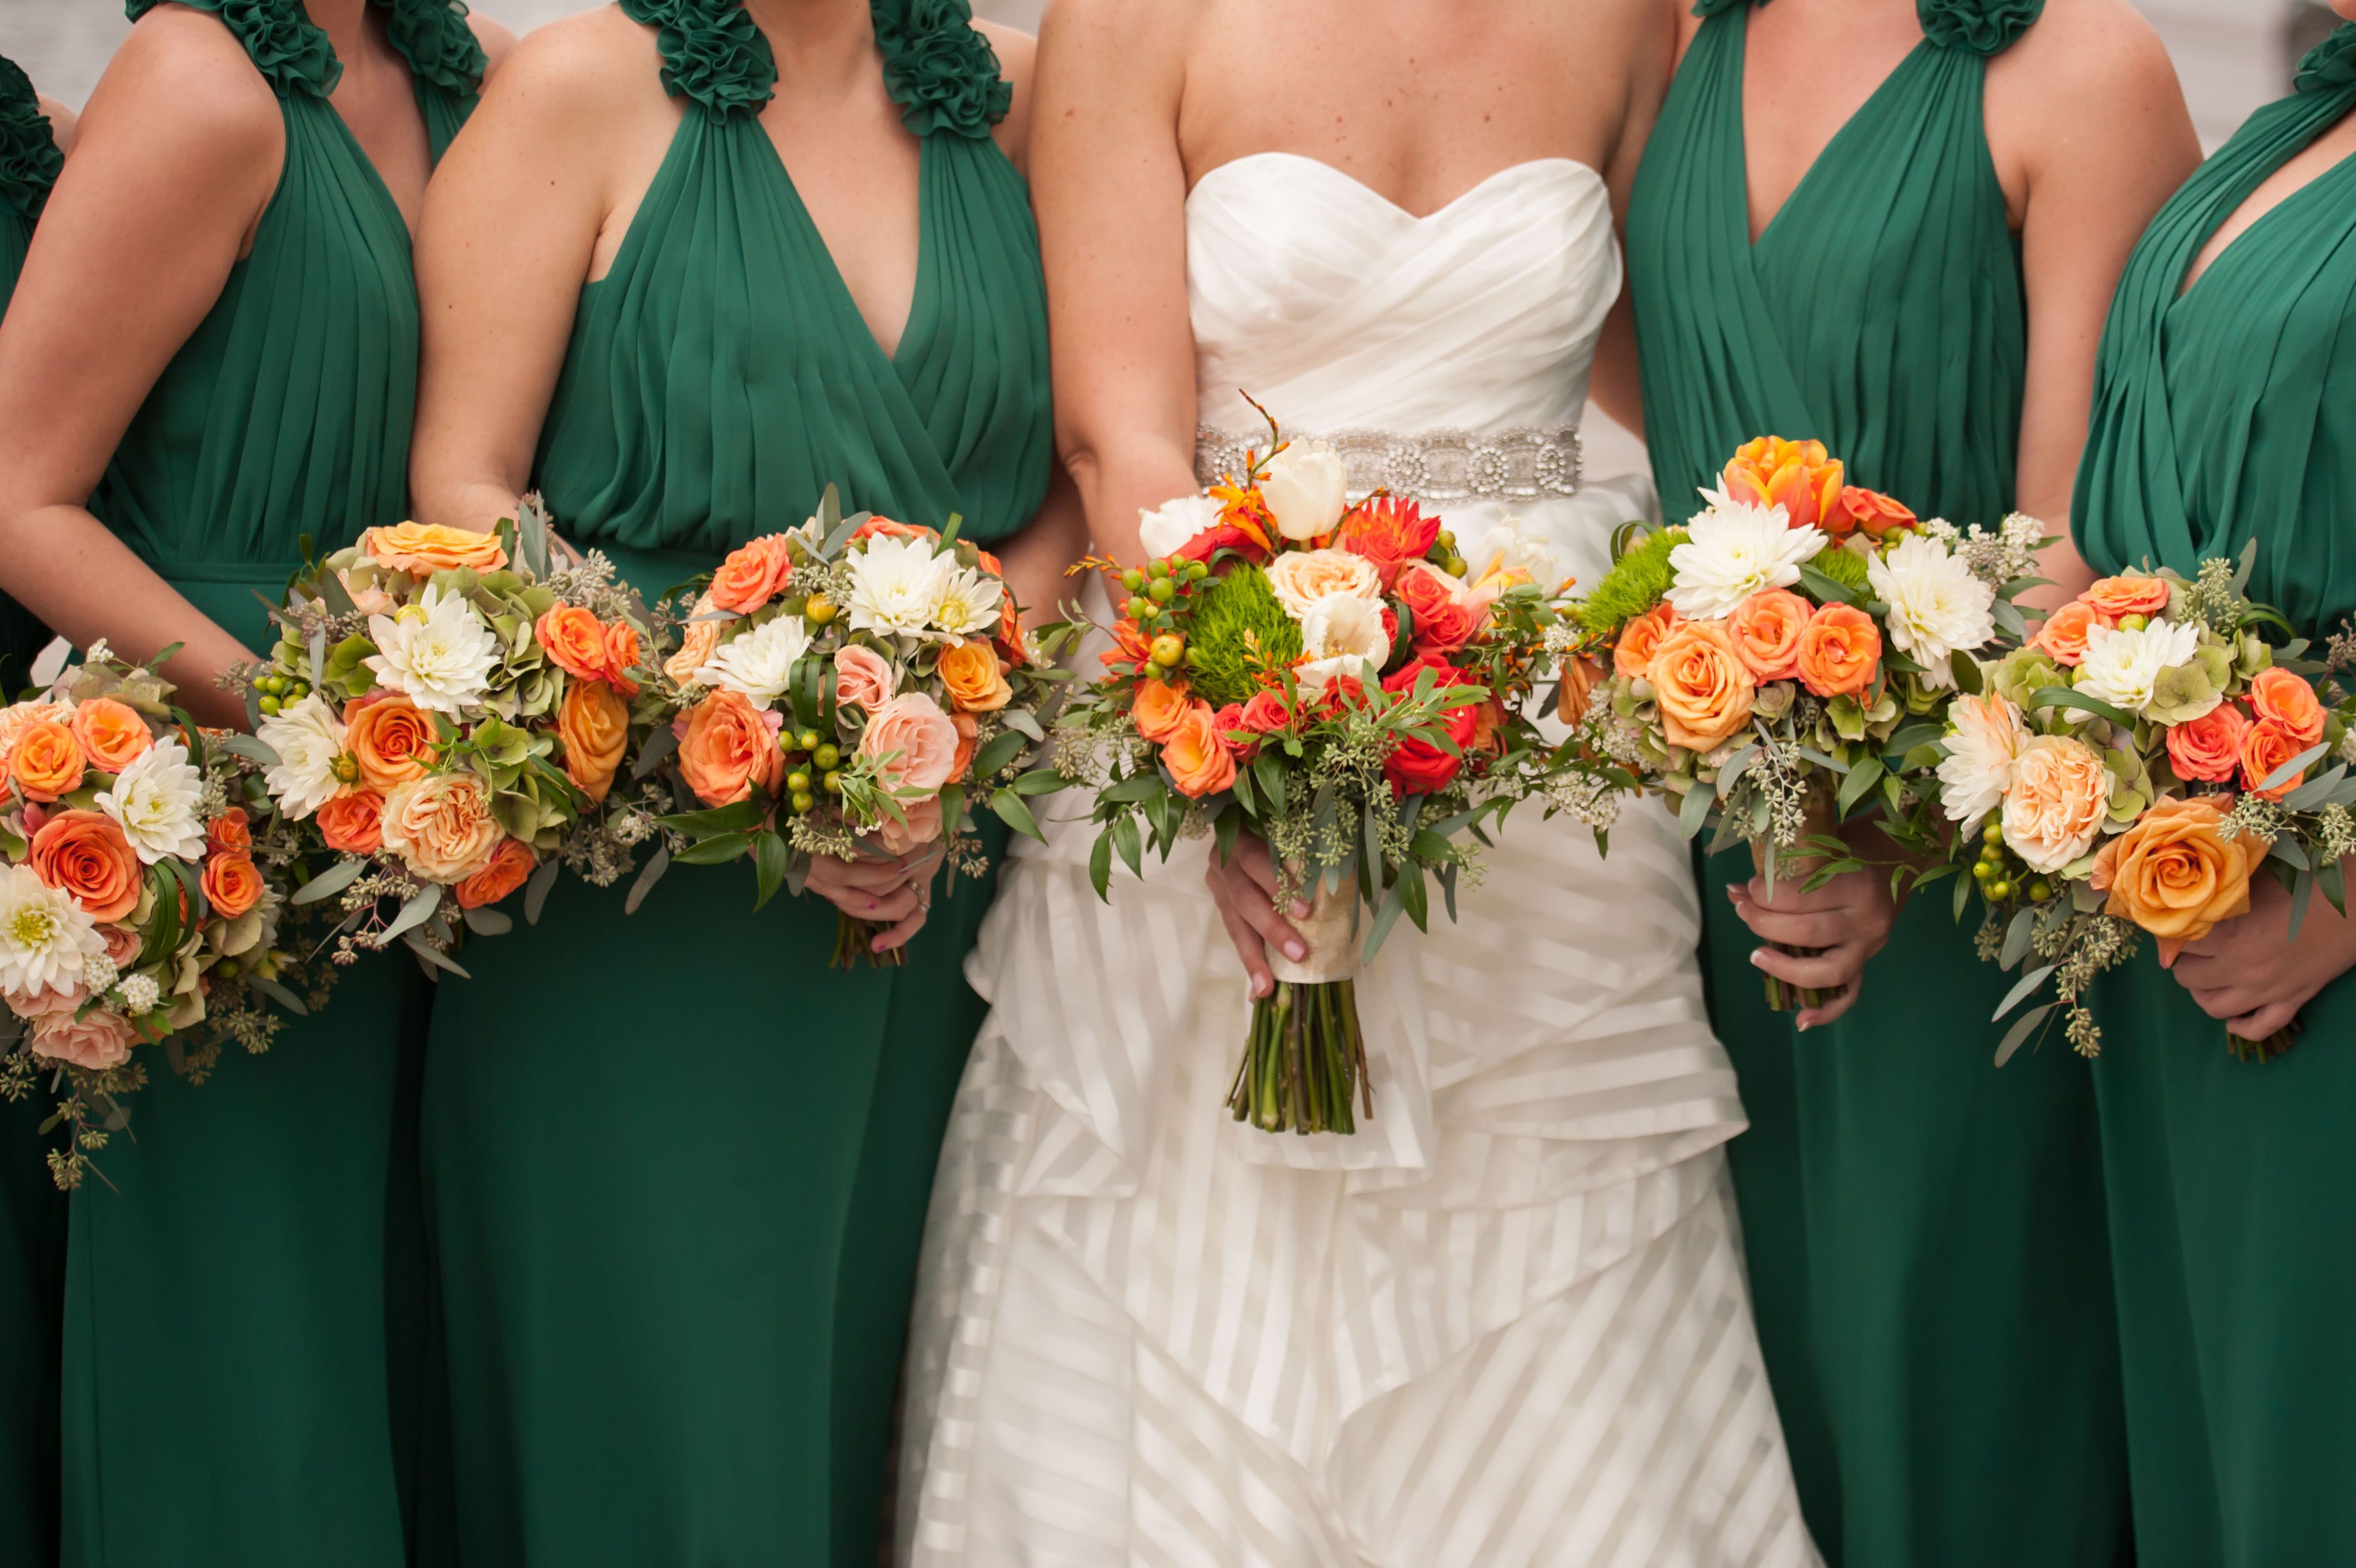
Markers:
point(1506, 1323)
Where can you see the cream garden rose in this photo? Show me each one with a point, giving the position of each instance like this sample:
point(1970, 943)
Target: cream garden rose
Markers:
point(1301, 578)
point(441, 826)
point(2056, 801)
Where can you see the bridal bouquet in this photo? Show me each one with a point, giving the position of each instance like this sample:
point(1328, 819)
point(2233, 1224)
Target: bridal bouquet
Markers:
point(2131, 769)
point(1785, 658)
point(852, 682)
point(137, 902)
point(1337, 680)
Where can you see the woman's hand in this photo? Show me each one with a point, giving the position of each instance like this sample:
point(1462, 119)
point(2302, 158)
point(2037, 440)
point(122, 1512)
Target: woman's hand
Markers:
point(2252, 975)
point(1848, 920)
point(888, 890)
point(1245, 887)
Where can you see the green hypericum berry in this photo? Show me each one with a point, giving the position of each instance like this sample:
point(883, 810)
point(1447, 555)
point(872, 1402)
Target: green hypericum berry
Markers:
point(1999, 892)
point(1197, 570)
point(2040, 891)
point(1133, 580)
point(799, 782)
point(833, 781)
point(825, 757)
point(809, 740)
point(1157, 570)
point(1161, 591)
point(1983, 869)
point(1992, 835)
point(805, 801)
point(269, 706)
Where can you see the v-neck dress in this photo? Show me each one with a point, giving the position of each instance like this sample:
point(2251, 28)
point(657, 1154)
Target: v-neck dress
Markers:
point(32, 1210)
point(245, 1296)
point(2226, 414)
point(1924, 1231)
point(678, 1168)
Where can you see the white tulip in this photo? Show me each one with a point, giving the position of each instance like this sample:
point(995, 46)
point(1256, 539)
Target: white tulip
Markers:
point(1305, 489)
point(1168, 528)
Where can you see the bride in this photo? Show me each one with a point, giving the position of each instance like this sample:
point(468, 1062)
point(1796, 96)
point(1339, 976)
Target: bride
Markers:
point(1506, 1322)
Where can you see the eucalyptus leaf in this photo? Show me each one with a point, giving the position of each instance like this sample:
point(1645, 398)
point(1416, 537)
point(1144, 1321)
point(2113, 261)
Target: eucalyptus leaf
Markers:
point(416, 913)
point(2023, 991)
point(249, 747)
point(1694, 811)
point(2015, 1036)
point(2293, 769)
point(659, 744)
point(279, 994)
point(543, 877)
point(2302, 890)
point(432, 957)
point(2016, 938)
point(652, 873)
point(488, 921)
point(1385, 917)
point(329, 883)
point(1019, 721)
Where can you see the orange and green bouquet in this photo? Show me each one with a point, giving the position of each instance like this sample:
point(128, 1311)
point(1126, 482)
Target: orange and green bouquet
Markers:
point(1337, 680)
point(850, 687)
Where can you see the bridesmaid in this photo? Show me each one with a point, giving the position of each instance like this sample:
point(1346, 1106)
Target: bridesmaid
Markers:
point(2226, 411)
point(212, 353)
point(1849, 215)
point(694, 261)
point(33, 133)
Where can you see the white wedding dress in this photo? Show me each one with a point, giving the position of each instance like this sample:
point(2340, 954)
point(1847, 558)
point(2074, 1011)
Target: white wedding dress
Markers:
point(1506, 1322)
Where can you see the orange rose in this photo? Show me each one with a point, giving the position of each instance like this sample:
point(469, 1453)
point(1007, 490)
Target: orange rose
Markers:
point(728, 749)
point(2174, 875)
point(1632, 654)
point(593, 723)
point(232, 885)
point(970, 675)
point(621, 655)
point(1703, 688)
point(2064, 635)
point(1199, 763)
point(2281, 697)
point(84, 856)
point(230, 831)
point(15, 721)
point(751, 575)
point(47, 762)
point(353, 824)
point(389, 737)
point(112, 734)
point(1766, 629)
point(1840, 649)
point(1869, 511)
point(2056, 803)
point(699, 640)
point(2113, 597)
point(573, 639)
point(883, 527)
point(1158, 709)
point(2266, 747)
point(968, 734)
point(422, 549)
point(2209, 748)
point(511, 868)
point(441, 825)
point(1797, 476)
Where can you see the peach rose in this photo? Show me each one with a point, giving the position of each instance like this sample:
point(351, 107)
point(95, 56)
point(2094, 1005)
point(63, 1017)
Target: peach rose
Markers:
point(573, 639)
point(1797, 476)
point(1199, 763)
point(752, 574)
point(1577, 693)
point(1639, 639)
point(511, 868)
point(1840, 649)
point(2282, 697)
point(47, 762)
point(232, 885)
point(15, 721)
point(1301, 577)
point(728, 749)
point(94, 1042)
point(230, 831)
point(1703, 688)
point(2209, 748)
point(50, 1003)
point(2266, 747)
point(911, 725)
point(699, 640)
point(2056, 803)
point(353, 824)
point(441, 825)
point(968, 730)
point(2173, 874)
point(122, 945)
point(593, 723)
point(970, 675)
point(1766, 629)
point(883, 527)
point(2114, 597)
point(2064, 635)
point(1158, 708)
point(112, 734)
point(389, 737)
point(1866, 511)
point(422, 549)
point(923, 827)
point(862, 677)
point(85, 855)
point(621, 655)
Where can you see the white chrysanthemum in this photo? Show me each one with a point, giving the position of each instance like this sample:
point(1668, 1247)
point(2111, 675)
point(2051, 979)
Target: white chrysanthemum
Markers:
point(2122, 664)
point(966, 602)
point(141, 995)
point(1165, 531)
point(1984, 739)
point(1937, 606)
point(761, 662)
point(313, 764)
point(437, 652)
point(44, 936)
point(1735, 550)
point(155, 800)
point(895, 584)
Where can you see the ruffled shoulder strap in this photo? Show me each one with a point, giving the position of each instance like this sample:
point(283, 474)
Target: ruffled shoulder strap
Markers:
point(29, 159)
point(2331, 64)
point(712, 53)
point(939, 68)
point(1982, 27)
point(290, 50)
point(441, 48)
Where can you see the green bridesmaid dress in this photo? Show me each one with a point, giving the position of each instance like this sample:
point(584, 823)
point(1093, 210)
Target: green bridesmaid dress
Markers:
point(2227, 413)
point(677, 1167)
point(32, 1210)
point(245, 1295)
point(1925, 1232)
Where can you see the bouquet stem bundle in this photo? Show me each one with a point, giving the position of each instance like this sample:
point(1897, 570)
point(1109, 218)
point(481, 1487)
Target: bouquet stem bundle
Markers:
point(1306, 1056)
point(854, 944)
point(1817, 818)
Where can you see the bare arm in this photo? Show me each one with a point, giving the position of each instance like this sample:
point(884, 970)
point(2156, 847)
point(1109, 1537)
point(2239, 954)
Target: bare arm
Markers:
point(172, 166)
point(1614, 384)
point(497, 41)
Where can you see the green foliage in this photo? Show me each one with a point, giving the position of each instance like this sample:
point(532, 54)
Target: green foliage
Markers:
point(1239, 630)
point(1843, 566)
point(1634, 585)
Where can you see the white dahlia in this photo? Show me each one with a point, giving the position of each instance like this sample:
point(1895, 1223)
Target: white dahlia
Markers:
point(154, 801)
point(1983, 739)
point(313, 762)
point(761, 662)
point(895, 584)
point(1733, 551)
point(966, 602)
point(1937, 606)
point(1343, 626)
point(44, 936)
point(2122, 664)
point(1167, 529)
point(437, 652)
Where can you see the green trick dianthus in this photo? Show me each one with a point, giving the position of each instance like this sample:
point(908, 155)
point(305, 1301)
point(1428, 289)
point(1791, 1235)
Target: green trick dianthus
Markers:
point(1240, 630)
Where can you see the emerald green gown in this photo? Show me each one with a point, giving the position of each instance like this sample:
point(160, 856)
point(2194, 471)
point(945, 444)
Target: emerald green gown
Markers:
point(678, 1168)
point(1924, 1232)
point(245, 1290)
point(2224, 413)
point(32, 1210)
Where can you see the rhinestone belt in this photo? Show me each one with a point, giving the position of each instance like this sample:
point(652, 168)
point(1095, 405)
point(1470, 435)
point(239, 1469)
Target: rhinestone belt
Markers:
point(1520, 464)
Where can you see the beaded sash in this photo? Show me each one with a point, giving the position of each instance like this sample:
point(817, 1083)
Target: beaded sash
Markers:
point(1442, 465)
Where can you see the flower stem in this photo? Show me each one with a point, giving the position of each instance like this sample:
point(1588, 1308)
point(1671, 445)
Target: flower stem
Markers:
point(1304, 1058)
point(854, 939)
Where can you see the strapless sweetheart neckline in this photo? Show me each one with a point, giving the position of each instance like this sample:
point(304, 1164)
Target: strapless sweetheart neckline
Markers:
point(1484, 185)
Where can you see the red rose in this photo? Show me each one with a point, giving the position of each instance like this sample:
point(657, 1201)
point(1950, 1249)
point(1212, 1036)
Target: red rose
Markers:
point(1230, 723)
point(1417, 766)
point(1444, 619)
point(1267, 713)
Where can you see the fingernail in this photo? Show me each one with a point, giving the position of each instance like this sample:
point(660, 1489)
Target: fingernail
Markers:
point(1295, 951)
point(1759, 958)
point(1298, 908)
point(1803, 1027)
point(1259, 986)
